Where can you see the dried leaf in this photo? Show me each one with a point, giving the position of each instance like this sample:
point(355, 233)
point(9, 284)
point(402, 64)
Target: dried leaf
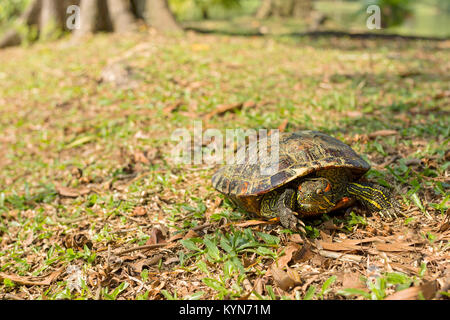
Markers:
point(428, 290)
point(156, 236)
point(190, 234)
point(351, 280)
point(282, 279)
point(304, 254)
point(139, 265)
point(249, 223)
point(294, 275)
point(394, 247)
point(340, 256)
point(176, 237)
point(29, 281)
point(354, 114)
point(297, 238)
point(382, 133)
point(140, 157)
point(174, 107)
point(282, 127)
point(77, 241)
point(139, 212)
point(72, 192)
point(232, 107)
point(288, 252)
point(340, 246)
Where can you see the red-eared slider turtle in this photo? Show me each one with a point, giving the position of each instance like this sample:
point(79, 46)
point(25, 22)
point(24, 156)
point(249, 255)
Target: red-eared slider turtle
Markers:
point(316, 174)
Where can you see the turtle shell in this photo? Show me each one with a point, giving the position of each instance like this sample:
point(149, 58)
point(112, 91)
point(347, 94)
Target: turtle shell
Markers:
point(300, 153)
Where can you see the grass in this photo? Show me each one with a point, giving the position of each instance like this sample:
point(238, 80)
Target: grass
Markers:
point(63, 128)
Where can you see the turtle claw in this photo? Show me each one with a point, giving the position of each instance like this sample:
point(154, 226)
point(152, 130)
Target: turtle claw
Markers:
point(290, 221)
point(389, 213)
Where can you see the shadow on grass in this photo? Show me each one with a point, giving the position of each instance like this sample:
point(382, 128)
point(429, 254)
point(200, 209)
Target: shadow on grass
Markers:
point(329, 38)
point(322, 34)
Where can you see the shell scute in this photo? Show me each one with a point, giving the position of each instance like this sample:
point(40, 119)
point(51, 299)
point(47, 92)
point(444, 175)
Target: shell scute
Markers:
point(300, 153)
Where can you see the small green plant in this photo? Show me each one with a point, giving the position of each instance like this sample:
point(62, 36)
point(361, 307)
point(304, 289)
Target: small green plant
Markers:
point(115, 293)
point(377, 286)
point(325, 287)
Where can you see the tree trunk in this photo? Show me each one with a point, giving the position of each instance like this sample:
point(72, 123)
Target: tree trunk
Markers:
point(51, 16)
point(205, 13)
point(302, 8)
point(138, 8)
point(30, 17)
point(265, 9)
point(89, 13)
point(284, 8)
point(121, 16)
point(160, 16)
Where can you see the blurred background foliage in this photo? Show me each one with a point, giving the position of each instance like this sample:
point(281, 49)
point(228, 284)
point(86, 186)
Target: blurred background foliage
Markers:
point(11, 9)
point(407, 17)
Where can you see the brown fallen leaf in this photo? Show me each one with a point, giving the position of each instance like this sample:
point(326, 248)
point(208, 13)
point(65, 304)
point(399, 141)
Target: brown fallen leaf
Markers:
point(340, 246)
point(304, 254)
point(29, 281)
point(224, 108)
point(156, 236)
point(282, 127)
point(428, 290)
point(190, 234)
point(174, 107)
point(447, 155)
point(146, 247)
point(354, 114)
point(446, 224)
point(340, 256)
point(394, 247)
point(176, 237)
point(352, 280)
point(232, 107)
point(171, 260)
point(139, 265)
point(139, 211)
point(382, 133)
point(72, 192)
point(211, 209)
point(325, 236)
point(290, 249)
point(443, 94)
point(297, 238)
point(282, 279)
point(329, 225)
point(77, 241)
point(249, 223)
point(444, 227)
point(405, 268)
point(140, 157)
point(294, 275)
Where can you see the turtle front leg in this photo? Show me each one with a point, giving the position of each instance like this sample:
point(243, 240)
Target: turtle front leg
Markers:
point(282, 205)
point(374, 197)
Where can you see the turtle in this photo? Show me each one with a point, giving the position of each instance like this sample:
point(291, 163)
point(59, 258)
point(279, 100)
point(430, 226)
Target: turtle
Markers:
point(315, 174)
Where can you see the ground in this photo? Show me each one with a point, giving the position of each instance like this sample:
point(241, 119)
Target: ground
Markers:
point(93, 206)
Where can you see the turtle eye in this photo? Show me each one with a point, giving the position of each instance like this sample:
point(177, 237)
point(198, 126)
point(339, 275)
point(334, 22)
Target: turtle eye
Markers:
point(319, 191)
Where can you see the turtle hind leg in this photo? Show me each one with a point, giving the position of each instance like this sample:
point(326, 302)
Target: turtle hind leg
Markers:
point(282, 204)
point(374, 197)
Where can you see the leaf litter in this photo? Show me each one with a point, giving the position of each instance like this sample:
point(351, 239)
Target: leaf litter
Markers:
point(116, 224)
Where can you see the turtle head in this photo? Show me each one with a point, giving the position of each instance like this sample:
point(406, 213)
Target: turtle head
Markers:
point(315, 196)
